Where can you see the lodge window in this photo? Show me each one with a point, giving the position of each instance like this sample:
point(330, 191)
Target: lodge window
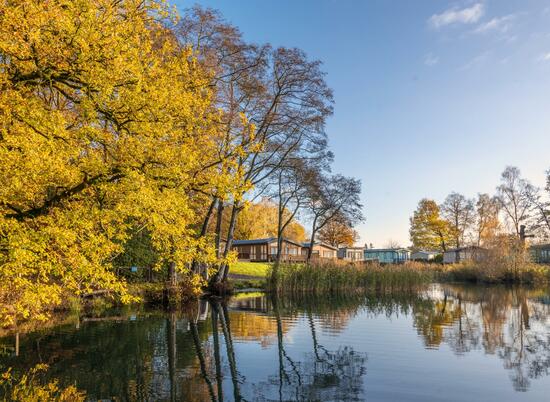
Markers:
point(253, 252)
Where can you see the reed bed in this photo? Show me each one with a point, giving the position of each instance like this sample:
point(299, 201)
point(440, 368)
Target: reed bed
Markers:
point(485, 272)
point(338, 279)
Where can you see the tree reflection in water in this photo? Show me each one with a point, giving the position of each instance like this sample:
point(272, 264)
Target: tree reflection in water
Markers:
point(318, 375)
point(510, 323)
point(305, 344)
point(498, 321)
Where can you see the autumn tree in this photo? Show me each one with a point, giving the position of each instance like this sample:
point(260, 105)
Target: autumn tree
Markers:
point(514, 196)
point(459, 212)
point(259, 220)
point(486, 221)
point(338, 233)
point(107, 128)
point(429, 231)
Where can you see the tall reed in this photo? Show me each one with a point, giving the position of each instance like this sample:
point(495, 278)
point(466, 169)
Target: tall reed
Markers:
point(335, 279)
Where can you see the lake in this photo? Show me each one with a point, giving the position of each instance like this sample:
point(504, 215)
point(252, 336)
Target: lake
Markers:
point(440, 343)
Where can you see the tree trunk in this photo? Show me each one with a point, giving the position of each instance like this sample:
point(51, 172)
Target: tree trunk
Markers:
point(219, 220)
point(202, 360)
point(280, 211)
point(217, 357)
point(226, 328)
point(222, 273)
point(311, 240)
point(171, 340)
point(279, 256)
point(172, 273)
point(195, 267)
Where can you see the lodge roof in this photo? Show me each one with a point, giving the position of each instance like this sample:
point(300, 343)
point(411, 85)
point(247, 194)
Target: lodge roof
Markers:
point(376, 250)
point(306, 244)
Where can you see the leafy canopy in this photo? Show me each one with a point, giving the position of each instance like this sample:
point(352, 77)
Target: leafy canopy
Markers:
point(106, 124)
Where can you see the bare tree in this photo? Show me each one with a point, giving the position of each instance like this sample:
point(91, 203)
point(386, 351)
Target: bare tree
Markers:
point(391, 243)
point(459, 212)
point(331, 197)
point(290, 193)
point(514, 195)
point(273, 103)
point(541, 211)
point(237, 68)
point(290, 122)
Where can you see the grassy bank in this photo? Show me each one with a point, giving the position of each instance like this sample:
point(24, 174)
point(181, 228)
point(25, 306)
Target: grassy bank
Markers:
point(259, 269)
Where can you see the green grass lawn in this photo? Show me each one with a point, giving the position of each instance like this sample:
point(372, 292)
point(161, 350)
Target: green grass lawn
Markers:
point(249, 268)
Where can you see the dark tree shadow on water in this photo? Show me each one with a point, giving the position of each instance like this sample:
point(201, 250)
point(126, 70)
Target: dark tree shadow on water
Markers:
point(219, 318)
point(318, 375)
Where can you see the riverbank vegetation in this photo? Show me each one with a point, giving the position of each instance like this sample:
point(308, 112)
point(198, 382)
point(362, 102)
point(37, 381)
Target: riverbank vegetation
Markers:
point(337, 279)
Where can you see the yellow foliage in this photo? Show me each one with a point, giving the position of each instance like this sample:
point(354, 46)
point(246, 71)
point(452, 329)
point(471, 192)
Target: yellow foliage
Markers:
point(106, 121)
point(258, 328)
point(27, 388)
point(260, 221)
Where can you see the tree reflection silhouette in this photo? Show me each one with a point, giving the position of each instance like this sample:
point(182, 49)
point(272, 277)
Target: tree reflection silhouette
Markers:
point(501, 318)
point(190, 354)
point(319, 375)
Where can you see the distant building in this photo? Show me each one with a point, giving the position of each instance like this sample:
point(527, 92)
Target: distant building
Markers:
point(422, 255)
point(265, 250)
point(540, 253)
point(351, 254)
point(461, 254)
point(320, 251)
point(387, 255)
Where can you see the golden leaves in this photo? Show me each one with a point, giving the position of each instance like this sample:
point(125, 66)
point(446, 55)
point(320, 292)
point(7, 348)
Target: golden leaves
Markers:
point(107, 123)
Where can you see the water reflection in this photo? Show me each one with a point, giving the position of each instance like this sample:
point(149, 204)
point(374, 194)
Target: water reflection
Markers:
point(301, 349)
point(510, 323)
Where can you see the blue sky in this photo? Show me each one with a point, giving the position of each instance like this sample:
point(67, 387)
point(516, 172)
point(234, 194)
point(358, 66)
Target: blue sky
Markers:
point(431, 96)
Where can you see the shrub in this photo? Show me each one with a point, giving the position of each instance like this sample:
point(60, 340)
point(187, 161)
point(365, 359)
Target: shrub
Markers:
point(28, 388)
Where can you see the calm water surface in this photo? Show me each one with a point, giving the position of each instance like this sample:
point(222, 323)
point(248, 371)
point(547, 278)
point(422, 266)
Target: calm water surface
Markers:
point(444, 343)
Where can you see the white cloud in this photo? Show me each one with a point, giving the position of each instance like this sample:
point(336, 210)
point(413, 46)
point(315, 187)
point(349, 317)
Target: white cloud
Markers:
point(498, 24)
point(469, 15)
point(431, 59)
point(545, 57)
